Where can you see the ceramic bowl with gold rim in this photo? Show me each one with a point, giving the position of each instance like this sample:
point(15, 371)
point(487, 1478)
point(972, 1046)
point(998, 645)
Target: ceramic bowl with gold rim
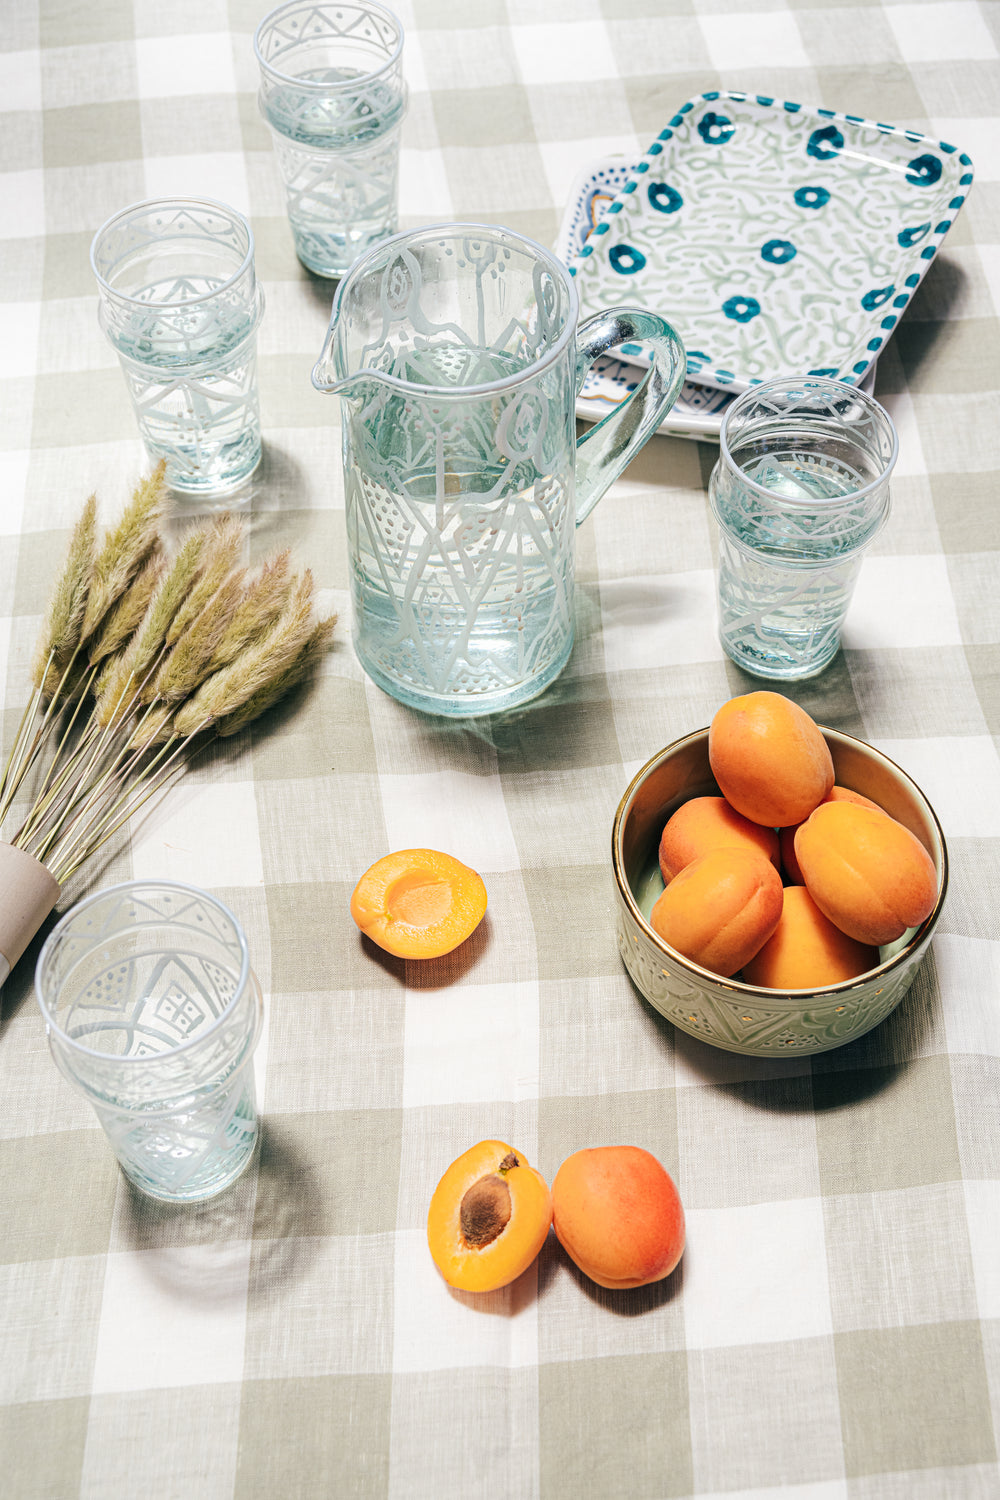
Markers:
point(728, 1013)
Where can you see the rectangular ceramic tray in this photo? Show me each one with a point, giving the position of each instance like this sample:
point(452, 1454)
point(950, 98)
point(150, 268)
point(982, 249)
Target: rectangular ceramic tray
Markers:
point(775, 238)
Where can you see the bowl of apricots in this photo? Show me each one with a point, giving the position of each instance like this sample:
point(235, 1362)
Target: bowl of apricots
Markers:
point(778, 883)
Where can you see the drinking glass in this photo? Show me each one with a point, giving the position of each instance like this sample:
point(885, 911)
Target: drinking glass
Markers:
point(180, 305)
point(456, 353)
point(332, 91)
point(152, 1013)
point(800, 489)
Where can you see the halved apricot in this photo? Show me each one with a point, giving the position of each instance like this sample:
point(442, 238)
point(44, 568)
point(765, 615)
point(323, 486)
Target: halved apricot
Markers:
point(419, 903)
point(488, 1218)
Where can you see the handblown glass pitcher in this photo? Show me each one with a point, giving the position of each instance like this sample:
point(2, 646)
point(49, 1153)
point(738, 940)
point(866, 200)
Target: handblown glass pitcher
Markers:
point(456, 352)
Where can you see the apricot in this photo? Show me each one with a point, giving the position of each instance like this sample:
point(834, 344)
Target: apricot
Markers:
point(865, 871)
point(806, 951)
point(418, 903)
point(720, 909)
point(488, 1217)
point(786, 836)
point(706, 823)
point(769, 758)
point(618, 1215)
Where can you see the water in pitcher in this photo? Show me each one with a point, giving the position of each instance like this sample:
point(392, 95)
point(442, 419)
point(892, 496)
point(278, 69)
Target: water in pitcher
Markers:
point(778, 608)
point(462, 553)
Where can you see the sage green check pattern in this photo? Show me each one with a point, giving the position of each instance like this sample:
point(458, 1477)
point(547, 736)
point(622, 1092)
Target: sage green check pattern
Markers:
point(833, 1332)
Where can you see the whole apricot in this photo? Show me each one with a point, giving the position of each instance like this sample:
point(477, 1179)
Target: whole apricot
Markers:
point(865, 871)
point(786, 836)
point(618, 1215)
point(488, 1217)
point(418, 903)
point(769, 758)
point(806, 951)
point(705, 823)
point(720, 908)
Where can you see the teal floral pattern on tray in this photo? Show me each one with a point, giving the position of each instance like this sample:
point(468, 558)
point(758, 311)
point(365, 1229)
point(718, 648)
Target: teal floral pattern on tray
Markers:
point(777, 239)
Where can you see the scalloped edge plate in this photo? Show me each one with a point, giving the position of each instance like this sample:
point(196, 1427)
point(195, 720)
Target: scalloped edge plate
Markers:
point(776, 238)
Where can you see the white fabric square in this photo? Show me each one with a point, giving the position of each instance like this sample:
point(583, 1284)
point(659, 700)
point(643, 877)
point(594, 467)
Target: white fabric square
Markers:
point(756, 1275)
point(982, 1209)
point(171, 66)
point(204, 833)
point(49, 1310)
point(451, 1054)
point(71, 337)
point(754, 40)
point(23, 197)
point(13, 485)
point(414, 68)
point(902, 601)
point(910, 460)
point(979, 139)
point(566, 52)
point(20, 81)
point(562, 159)
point(989, 257)
point(456, 813)
point(942, 30)
point(174, 1316)
point(438, 1328)
point(660, 621)
point(220, 175)
point(959, 776)
point(968, 976)
point(424, 193)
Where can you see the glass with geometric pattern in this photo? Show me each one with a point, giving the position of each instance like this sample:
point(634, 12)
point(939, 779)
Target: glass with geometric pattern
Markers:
point(800, 490)
point(332, 92)
point(180, 305)
point(153, 1013)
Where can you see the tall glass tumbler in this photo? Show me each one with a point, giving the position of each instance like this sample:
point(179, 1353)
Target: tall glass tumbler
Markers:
point(153, 1014)
point(332, 91)
point(800, 490)
point(180, 305)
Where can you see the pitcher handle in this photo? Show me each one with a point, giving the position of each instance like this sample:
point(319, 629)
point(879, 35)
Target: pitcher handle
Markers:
point(603, 452)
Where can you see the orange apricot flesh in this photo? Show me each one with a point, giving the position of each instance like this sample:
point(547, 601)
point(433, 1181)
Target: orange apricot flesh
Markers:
point(705, 823)
point(865, 871)
point(806, 951)
point(618, 1216)
point(786, 836)
point(419, 903)
point(720, 909)
point(769, 758)
point(488, 1218)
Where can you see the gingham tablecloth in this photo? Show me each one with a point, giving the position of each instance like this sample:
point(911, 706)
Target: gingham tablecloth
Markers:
point(833, 1332)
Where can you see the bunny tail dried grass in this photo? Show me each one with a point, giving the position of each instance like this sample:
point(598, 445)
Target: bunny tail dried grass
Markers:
point(126, 673)
point(265, 594)
point(299, 668)
point(269, 657)
point(188, 663)
point(221, 547)
point(125, 617)
point(61, 631)
point(126, 548)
